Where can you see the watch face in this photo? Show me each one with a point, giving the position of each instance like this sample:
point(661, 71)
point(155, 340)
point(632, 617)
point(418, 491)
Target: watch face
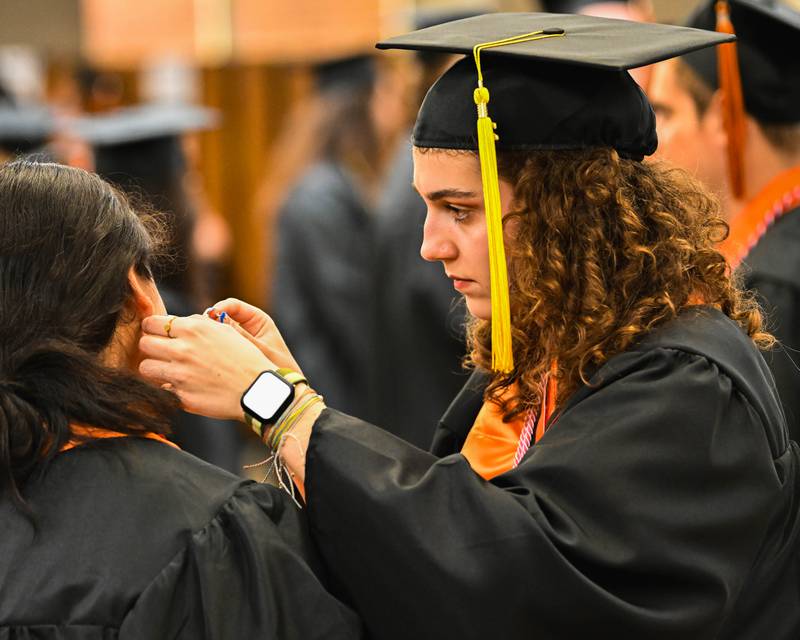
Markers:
point(268, 396)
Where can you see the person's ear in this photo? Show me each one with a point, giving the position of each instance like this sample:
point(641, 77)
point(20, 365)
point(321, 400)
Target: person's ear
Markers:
point(142, 301)
point(712, 123)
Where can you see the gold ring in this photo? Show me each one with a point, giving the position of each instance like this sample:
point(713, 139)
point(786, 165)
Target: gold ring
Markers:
point(168, 326)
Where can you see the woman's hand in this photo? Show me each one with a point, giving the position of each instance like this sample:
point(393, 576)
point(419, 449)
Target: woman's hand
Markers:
point(207, 364)
point(257, 327)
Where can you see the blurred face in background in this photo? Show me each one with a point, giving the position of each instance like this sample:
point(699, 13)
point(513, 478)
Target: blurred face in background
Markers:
point(687, 138)
point(636, 11)
point(391, 104)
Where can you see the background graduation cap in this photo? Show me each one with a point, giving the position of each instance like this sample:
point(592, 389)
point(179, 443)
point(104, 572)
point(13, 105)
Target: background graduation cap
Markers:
point(557, 82)
point(760, 74)
point(24, 129)
point(140, 147)
point(344, 74)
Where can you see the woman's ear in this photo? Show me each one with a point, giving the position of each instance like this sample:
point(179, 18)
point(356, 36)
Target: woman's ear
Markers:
point(145, 301)
point(713, 124)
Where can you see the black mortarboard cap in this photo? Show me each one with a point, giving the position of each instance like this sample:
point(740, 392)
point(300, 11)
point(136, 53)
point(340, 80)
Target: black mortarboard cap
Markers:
point(345, 74)
point(430, 17)
point(562, 92)
point(768, 51)
point(556, 81)
point(141, 145)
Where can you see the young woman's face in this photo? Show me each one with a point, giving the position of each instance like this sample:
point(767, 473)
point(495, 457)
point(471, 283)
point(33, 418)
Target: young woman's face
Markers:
point(455, 227)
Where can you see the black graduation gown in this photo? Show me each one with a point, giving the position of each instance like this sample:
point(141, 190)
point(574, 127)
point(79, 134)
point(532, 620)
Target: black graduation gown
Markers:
point(137, 540)
point(772, 268)
point(661, 503)
point(321, 289)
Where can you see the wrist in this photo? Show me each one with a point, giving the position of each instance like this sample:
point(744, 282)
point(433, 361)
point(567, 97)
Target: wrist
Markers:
point(293, 415)
point(293, 453)
point(270, 398)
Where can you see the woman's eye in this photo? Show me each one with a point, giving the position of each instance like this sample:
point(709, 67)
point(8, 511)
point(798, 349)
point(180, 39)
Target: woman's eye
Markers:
point(459, 214)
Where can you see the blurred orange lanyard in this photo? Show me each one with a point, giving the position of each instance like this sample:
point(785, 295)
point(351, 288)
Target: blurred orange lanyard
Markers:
point(493, 446)
point(780, 196)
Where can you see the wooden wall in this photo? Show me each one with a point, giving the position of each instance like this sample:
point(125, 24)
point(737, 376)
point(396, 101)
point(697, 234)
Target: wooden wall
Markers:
point(241, 163)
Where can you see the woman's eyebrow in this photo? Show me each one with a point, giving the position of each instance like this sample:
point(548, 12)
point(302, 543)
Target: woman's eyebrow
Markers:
point(433, 196)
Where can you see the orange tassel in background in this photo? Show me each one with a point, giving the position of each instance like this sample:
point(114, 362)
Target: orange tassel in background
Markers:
point(730, 83)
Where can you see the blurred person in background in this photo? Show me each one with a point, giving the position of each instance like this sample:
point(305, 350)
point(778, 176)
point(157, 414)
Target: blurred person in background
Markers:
point(325, 232)
point(636, 10)
point(141, 150)
point(749, 156)
point(420, 318)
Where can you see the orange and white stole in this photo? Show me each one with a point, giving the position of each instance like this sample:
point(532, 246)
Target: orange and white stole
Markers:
point(493, 446)
point(781, 195)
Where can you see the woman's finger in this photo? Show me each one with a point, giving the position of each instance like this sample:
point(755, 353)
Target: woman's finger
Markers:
point(168, 326)
point(157, 371)
point(209, 364)
point(158, 325)
point(161, 348)
point(252, 319)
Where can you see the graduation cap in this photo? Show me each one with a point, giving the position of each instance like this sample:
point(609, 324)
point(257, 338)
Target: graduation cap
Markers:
point(24, 129)
point(140, 146)
point(557, 82)
point(756, 74)
point(430, 17)
point(345, 74)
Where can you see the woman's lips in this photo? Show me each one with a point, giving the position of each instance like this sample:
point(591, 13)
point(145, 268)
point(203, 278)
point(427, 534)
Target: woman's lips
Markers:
point(460, 284)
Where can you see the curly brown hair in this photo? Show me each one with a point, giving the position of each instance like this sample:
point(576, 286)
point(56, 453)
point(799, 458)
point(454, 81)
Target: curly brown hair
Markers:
point(606, 249)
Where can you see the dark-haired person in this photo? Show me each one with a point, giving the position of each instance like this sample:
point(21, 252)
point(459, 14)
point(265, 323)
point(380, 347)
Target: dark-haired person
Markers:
point(142, 150)
point(106, 529)
point(618, 466)
point(760, 191)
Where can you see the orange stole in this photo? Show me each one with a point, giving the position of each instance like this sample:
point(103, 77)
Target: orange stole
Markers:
point(780, 195)
point(98, 433)
point(491, 444)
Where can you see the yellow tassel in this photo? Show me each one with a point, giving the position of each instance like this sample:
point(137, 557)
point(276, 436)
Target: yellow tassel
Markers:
point(502, 352)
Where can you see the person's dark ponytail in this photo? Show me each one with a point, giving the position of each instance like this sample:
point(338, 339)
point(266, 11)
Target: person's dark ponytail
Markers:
point(19, 443)
point(67, 243)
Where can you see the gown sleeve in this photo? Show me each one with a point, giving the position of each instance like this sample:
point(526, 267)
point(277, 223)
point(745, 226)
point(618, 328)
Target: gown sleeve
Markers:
point(639, 514)
point(247, 574)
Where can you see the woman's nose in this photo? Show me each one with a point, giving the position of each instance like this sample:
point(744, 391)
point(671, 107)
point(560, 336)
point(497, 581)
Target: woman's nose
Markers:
point(436, 243)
